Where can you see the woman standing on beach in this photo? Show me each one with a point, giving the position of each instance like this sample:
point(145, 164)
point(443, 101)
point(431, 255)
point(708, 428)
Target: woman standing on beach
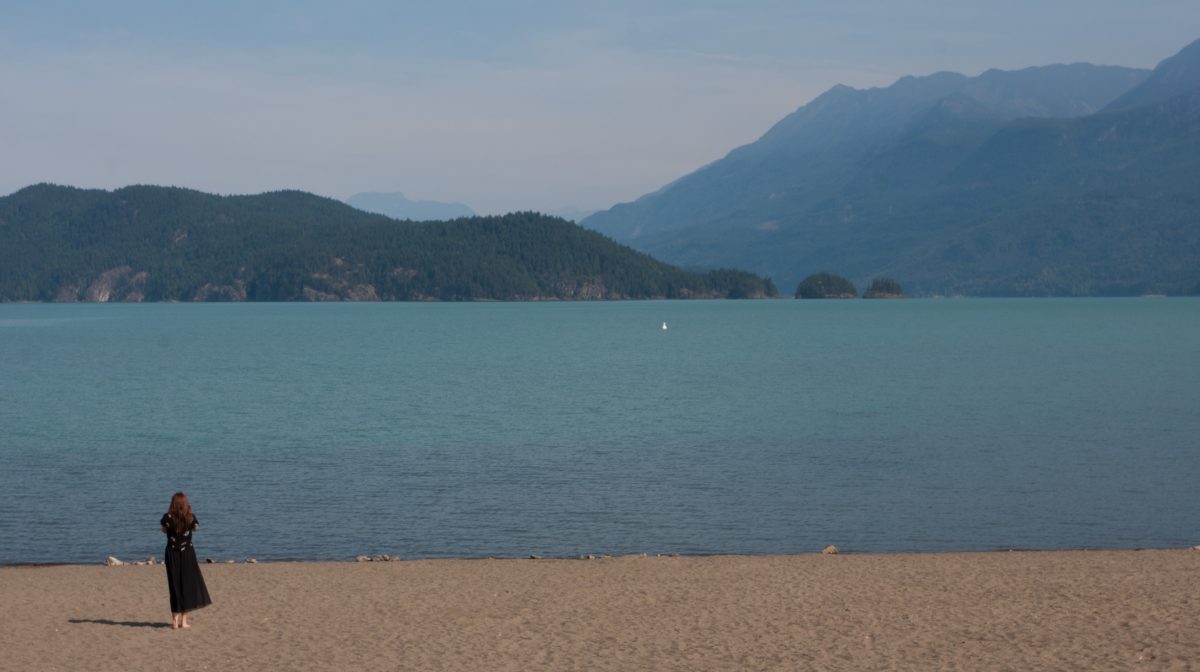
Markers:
point(188, 592)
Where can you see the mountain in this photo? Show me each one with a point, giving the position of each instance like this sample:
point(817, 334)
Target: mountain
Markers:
point(396, 206)
point(147, 243)
point(572, 214)
point(818, 148)
point(1173, 77)
point(1102, 205)
point(1030, 182)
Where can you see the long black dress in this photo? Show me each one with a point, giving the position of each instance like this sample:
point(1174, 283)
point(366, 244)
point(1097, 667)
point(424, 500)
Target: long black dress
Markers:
point(188, 591)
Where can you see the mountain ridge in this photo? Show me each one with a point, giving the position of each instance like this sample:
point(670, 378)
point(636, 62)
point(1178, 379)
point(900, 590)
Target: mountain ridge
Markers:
point(149, 243)
point(395, 205)
point(1174, 76)
point(891, 196)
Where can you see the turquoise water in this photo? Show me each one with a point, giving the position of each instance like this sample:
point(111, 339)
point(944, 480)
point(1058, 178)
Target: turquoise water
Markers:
point(430, 430)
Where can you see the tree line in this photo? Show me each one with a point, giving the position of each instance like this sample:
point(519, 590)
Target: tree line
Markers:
point(826, 285)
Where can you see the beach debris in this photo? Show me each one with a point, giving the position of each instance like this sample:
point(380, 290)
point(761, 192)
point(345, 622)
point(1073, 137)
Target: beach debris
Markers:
point(535, 557)
point(251, 561)
point(139, 562)
point(1196, 547)
point(830, 550)
point(112, 561)
point(384, 557)
point(209, 561)
point(230, 562)
point(152, 560)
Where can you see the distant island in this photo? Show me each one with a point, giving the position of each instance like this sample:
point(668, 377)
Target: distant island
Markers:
point(884, 288)
point(151, 243)
point(829, 286)
point(826, 286)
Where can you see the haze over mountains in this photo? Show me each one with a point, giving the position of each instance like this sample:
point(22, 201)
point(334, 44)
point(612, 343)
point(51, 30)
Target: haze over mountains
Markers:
point(1058, 180)
point(397, 206)
point(1065, 180)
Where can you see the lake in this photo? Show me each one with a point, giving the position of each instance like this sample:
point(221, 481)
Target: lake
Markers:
point(323, 431)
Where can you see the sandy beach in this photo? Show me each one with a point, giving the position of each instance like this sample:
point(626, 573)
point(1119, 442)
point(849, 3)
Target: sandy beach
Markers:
point(1074, 610)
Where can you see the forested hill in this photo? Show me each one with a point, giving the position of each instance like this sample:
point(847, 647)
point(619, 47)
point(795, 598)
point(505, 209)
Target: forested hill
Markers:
point(148, 243)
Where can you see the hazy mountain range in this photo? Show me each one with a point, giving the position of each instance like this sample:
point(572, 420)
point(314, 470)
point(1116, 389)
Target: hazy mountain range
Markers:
point(1058, 180)
point(572, 213)
point(395, 205)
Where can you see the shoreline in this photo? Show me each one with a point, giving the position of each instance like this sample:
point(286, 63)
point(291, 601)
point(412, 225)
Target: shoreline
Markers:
point(989, 610)
point(352, 560)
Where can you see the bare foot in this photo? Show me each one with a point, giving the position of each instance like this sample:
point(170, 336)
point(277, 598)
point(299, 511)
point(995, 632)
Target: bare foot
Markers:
point(185, 625)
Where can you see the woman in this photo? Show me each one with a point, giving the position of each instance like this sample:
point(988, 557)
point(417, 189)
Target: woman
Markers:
point(188, 592)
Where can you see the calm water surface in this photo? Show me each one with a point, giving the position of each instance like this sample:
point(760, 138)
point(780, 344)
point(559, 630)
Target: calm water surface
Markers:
point(431, 430)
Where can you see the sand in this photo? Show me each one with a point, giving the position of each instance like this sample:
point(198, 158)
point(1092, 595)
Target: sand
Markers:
point(1076, 610)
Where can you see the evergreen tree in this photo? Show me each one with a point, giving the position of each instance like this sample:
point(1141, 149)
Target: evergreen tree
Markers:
point(825, 286)
point(884, 288)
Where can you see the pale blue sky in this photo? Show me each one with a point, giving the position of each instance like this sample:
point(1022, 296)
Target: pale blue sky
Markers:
point(503, 106)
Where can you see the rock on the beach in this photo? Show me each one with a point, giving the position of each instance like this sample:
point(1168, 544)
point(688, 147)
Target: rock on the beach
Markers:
point(209, 561)
point(112, 561)
point(830, 550)
point(151, 560)
point(251, 561)
point(362, 558)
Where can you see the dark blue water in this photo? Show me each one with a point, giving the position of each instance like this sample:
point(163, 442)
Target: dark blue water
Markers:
point(432, 430)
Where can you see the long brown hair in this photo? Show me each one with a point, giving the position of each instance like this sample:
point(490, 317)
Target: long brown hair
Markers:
point(180, 512)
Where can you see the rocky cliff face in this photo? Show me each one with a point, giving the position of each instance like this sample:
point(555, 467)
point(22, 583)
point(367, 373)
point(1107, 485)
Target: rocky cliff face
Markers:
point(214, 292)
point(120, 284)
point(123, 284)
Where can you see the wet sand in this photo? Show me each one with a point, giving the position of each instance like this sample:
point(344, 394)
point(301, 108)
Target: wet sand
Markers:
point(1073, 610)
